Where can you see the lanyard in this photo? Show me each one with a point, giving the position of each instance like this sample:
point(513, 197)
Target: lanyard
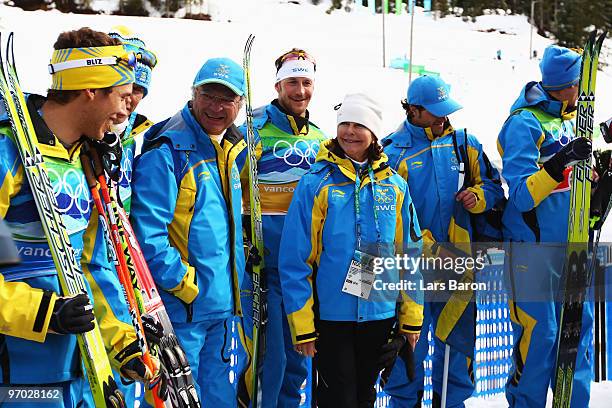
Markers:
point(357, 208)
point(128, 129)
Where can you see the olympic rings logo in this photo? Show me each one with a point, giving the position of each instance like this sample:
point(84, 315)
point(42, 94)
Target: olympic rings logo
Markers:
point(383, 199)
point(294, 155)
point(71, 184)
point(126, 167)
point(561, 134)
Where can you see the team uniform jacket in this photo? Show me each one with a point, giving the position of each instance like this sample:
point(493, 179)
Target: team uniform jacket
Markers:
point(130, 142)
point(319, 239)
point(430, 166)
point(28, 353)
point(538, 205)
point(284, 154)
point(186, 215)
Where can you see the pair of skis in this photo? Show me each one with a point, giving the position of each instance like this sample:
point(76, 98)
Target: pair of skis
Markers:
point(259, 300)
point(577, 268)
point(139, 288)
point(91, 346)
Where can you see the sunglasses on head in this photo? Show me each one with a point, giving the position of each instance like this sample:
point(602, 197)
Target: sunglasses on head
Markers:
point(295, 55)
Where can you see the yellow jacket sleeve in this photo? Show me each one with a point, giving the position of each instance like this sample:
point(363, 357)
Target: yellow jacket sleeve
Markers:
point(25, 311)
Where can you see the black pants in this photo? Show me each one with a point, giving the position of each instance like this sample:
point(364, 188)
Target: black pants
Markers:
point(346, 358)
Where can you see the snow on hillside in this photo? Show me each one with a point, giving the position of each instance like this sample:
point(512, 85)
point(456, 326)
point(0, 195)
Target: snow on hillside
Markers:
point(348, 48)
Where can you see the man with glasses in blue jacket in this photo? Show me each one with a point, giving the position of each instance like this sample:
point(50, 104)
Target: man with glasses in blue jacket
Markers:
point(186, 211)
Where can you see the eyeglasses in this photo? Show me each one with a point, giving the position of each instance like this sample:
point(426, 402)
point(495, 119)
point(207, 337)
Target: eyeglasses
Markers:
point(223, 101)
point(295, 55)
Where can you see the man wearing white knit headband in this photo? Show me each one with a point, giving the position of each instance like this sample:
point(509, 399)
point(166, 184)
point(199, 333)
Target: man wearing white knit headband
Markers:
point(287, 144)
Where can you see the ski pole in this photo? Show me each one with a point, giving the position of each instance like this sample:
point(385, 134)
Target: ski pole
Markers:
point(121, 267)
point(445, 375)
point(169, 351)
point(460, 181)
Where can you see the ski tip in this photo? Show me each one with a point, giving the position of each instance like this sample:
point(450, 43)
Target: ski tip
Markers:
point(602, 37)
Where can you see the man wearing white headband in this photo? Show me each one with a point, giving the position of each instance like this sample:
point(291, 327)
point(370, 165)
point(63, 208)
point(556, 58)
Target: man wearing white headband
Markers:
point(287, 144)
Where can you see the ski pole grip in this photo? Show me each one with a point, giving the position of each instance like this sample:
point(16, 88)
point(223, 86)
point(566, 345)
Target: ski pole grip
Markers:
point(97, 162)
point(87, 168)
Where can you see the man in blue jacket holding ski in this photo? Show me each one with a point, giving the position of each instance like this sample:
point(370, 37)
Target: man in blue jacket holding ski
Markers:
point(538, 146)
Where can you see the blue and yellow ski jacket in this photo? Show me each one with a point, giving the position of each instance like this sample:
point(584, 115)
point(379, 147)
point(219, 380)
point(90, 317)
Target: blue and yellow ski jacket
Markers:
point(537, 128)
point(430, 166)
point(319, 240)
point(186, 215)
point(129, 143)
point(28, 291)
point(285, 151)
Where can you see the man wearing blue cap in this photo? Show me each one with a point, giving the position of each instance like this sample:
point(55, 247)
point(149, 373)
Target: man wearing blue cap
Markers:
point(425, 150)
point(186, 211)
point(538, 147)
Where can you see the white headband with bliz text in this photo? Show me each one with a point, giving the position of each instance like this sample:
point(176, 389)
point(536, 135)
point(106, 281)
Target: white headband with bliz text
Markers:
point(295, 68)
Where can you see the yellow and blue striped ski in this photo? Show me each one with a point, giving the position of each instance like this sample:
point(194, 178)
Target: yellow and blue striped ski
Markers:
point(259, 298)
point(576, 267)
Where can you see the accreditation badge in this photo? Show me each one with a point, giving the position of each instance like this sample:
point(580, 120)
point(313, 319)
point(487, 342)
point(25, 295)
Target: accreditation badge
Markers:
point(360, 276)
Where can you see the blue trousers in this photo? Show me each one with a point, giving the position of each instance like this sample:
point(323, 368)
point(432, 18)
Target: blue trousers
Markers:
point(207, 345)
point(405, 393)
point(534, 275)
point(284, 370)
point(535, 326)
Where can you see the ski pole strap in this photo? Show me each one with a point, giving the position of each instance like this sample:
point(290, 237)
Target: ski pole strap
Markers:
point(463, 159)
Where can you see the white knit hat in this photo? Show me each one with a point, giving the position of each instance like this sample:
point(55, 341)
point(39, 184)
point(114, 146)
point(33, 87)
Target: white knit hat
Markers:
point(360, 108)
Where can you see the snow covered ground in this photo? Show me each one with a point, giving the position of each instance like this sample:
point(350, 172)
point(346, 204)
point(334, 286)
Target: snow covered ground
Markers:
point(348, 48)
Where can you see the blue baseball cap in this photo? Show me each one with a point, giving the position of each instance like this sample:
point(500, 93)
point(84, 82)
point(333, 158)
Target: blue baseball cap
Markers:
point(560, 68)
point(432, 93)
point(222, 71)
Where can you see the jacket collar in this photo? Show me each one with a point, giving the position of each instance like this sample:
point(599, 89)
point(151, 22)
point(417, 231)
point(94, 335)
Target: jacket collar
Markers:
point(404, 137)
point(48, 144)
point(287, 122)
point(327, 154)
point(533, 95)
point(174, 129)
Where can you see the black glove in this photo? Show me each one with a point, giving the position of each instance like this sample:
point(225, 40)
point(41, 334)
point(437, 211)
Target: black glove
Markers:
point(154, 331)
point(110, 151)
point(576, 150)
point(135, 369)
point(397, 347)
point(72, 315)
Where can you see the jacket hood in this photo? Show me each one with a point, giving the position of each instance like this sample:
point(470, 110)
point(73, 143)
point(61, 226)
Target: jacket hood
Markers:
point(533, 95)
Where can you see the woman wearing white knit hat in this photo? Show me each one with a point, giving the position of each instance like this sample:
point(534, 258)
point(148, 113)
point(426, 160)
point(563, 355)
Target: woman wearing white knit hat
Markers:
point(347, 211)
